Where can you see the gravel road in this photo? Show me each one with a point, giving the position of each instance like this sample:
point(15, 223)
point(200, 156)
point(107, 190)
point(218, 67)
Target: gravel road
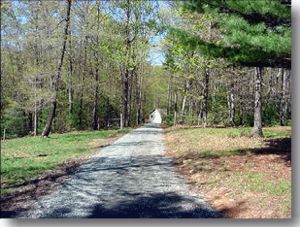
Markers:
point(129, 179)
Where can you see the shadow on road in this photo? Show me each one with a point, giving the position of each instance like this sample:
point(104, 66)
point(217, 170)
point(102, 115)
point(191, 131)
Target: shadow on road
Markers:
point(156, 205)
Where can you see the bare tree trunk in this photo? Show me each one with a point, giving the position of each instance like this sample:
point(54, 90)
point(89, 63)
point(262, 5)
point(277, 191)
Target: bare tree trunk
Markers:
point(284, 98)
point(126, 98)
point(37, 53)
point(205, 99)
point(199, 119)
point(125, 75)
point(257, 128)
point(169, 95)
point(96, 92)
point(183, 108)
point(231, 104)
point(56, 80)
point(139, 100)
point(96, 98)
point(175, 108)
point(131, 103)
point(186, 91)
point(121, 121)
point(30, 122)
point(4, 134)
point(84, 74)
point(70, 74)
point(35, 112)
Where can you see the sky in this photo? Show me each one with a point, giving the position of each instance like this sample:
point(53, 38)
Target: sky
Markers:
point(156, 55)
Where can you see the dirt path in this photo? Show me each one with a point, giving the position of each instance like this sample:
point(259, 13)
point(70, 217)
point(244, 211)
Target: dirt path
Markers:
point(131, 178)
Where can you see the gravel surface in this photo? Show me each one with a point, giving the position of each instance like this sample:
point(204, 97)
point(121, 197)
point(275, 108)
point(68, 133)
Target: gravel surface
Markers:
point(129, 179)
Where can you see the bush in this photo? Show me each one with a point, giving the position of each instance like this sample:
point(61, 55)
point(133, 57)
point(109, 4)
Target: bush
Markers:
point(270, 114)
point(15, 122)
point(169, 120)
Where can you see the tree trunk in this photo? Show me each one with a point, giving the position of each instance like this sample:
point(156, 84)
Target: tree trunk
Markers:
point(35, 112)
point(37, 53)
point(70, 74)
point(30, 123)
point(284, 98)
point(231, 104)
point(95, 104)
point(257, 128)
point(184, 100)
point(139, 109)
point(175, 108)
point(169, 95)
point(183, 108)
point(125, 75)
point(96, 92)
point(56, 80)
point(132, 78)
point(84, 74)
point(205, 99)
point(126, 98)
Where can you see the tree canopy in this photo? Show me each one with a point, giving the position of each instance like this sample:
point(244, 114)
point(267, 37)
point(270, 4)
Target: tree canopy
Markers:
point(252, 33)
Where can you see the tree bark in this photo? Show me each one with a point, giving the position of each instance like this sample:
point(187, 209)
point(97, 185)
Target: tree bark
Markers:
point(125, 75)
point(96, 98)
point(183, 108)
point(84, 74)
point(257, 127)
point(56, 79)
point(96, 91)
point(70, 75)
point(186, 91)
point(35, 112)
point(231, 104)
point(205, 99)
point(169, 95)
point(37, 41)
point(30, 123)
point(284, 98)
point(175, 108)
point(126, 98)
point(139, 100)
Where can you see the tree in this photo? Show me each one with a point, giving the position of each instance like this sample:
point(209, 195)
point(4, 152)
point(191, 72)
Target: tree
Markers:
point(57, 76)
point(253, 35)
point(248, 37)
point(106, 51)
point(257, 128)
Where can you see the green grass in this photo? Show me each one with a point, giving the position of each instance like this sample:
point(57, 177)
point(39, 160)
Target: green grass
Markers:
point(249, 169)
point(25, 158)
point(261, 182)
point(269, 132)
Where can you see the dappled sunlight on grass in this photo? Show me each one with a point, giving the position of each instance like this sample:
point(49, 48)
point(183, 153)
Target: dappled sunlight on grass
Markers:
point(243, 176)
point(25, 158)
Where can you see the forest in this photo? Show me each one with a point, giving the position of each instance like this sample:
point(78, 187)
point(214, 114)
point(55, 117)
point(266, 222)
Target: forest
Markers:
point(82, 81)
point(80, 65)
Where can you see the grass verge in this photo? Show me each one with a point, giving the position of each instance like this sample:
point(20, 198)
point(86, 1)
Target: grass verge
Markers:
point(25, 158)
point(240, 176)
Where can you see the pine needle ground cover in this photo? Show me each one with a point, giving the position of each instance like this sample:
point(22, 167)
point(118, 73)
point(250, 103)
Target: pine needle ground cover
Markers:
point(240, 176)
